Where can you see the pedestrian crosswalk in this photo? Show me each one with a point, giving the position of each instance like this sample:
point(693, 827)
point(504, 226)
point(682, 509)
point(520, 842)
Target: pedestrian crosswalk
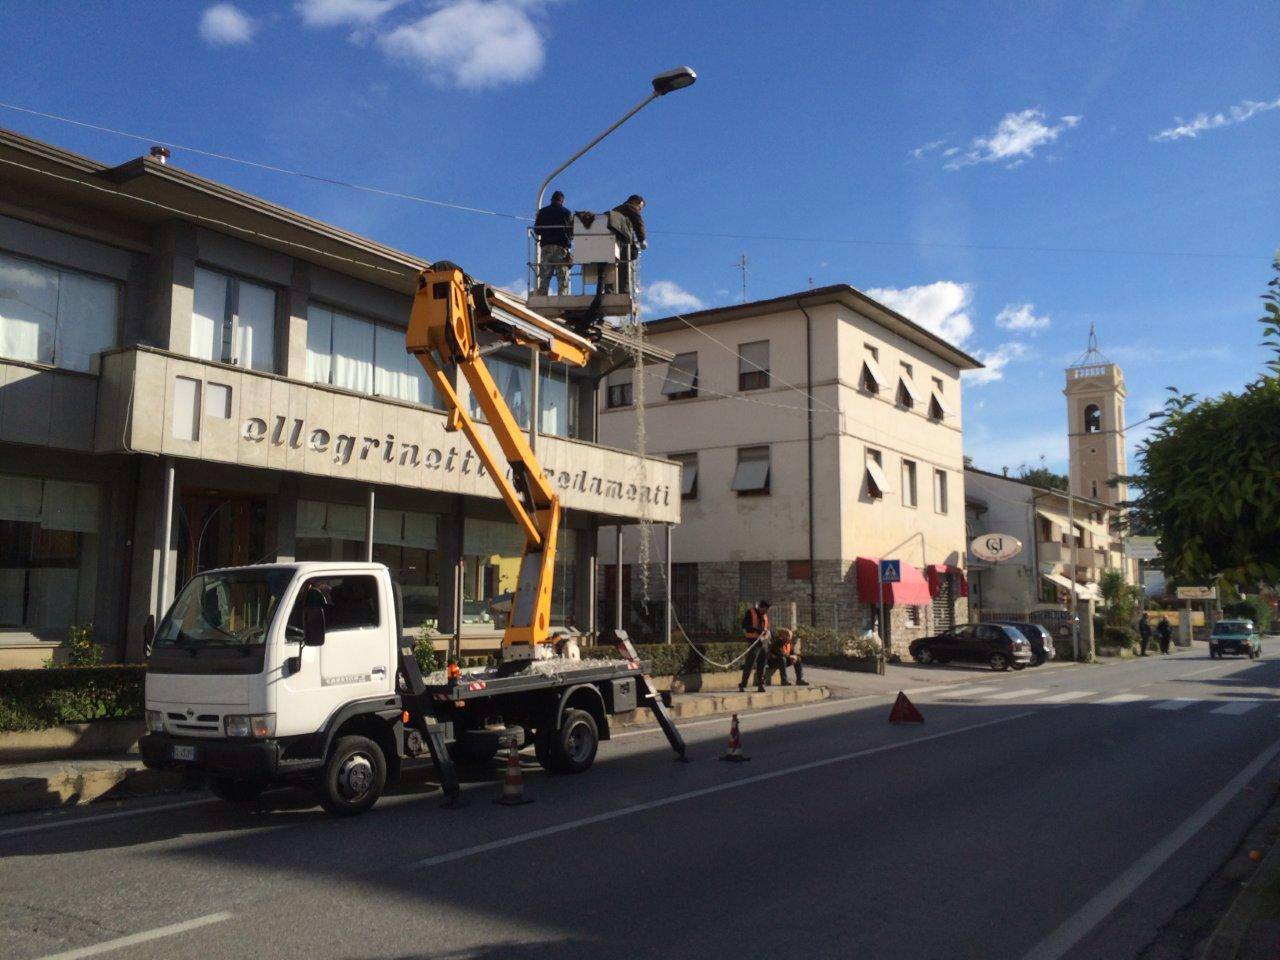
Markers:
point(1001, 693)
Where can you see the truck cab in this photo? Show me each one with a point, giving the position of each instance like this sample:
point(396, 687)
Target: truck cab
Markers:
point(255, 672)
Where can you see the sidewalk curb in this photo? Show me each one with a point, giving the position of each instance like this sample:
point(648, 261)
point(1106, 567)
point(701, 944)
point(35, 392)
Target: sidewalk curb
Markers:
point(688, 706)
point(1230, 939)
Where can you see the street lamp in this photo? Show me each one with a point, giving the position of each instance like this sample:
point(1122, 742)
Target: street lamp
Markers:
point(663, 83)
point(1071, 533)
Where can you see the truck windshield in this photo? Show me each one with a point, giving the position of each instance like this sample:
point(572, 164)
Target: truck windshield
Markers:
point(231, 609)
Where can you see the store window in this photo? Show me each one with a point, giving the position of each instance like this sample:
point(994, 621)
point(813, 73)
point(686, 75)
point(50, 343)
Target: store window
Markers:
point(54, 316)
point(363, 356)
point(513, 380)
point(684, 594)
point(48, 552)
point(557, 401)
point(403, 540)
point(233, 321)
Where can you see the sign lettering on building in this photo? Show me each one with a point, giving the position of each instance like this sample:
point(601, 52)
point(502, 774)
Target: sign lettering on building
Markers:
point(995, 547)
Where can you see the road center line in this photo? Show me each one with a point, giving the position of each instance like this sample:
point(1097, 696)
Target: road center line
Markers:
point(136, 938)
point(703, 792)
point(81, 821)
point(1079, 925)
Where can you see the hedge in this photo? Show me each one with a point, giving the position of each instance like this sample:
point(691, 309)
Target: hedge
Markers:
point(37, 699)
point(675, 659)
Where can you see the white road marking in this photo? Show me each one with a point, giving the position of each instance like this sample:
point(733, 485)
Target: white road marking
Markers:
point(577, 824)
point(1124, 698)
point(116, 815)
point(1196, 673)
point(1237, 707)
point(1177, 703)
point(1066, 696)
point(967, 692)
point(136, 938)
point(1083, 921)
point(1014, 694)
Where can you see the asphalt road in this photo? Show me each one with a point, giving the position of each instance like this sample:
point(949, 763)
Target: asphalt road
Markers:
point(1063, 812)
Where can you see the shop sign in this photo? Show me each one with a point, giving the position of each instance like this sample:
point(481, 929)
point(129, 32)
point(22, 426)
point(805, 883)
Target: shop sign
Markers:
point(995, 547)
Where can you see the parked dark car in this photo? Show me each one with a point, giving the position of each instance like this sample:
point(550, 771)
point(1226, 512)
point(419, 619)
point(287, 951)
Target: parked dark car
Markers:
point(996, 644)
point(1041, 641)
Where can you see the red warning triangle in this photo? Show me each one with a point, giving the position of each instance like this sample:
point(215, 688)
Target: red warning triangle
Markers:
point(904, 711)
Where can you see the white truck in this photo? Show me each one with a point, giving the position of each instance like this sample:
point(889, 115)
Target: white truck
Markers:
point(301, 673)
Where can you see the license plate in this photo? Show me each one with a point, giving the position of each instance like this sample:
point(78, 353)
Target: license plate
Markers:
point(183, 753)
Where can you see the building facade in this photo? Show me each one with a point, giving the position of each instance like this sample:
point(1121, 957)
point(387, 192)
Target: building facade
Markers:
point(191, 377)
point(818, 433)
point(1041, 575)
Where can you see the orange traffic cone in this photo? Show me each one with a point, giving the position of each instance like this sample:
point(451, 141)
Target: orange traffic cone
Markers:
point(735, 754)
point(513, 782)
point(904, 711)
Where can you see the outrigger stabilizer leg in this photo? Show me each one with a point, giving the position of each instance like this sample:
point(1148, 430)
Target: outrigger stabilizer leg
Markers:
point(654, 701)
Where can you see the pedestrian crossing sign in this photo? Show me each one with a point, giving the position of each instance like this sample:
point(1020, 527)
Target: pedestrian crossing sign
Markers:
point(890, 571)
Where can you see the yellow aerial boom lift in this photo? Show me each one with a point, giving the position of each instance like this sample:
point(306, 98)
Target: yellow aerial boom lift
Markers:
point(450, 310)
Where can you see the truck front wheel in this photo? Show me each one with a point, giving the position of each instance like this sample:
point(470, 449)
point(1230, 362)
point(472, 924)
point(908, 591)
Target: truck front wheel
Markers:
point(353, 776)
point(572, 748)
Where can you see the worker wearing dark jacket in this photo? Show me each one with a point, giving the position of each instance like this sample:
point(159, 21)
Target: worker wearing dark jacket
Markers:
point(631, 210)
point(553, 226)
point(755, 625)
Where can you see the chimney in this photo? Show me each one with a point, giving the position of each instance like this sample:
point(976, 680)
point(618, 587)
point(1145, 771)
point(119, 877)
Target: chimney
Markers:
point(160, 153)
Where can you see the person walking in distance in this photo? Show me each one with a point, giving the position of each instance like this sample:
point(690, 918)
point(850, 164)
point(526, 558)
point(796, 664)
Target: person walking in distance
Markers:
point(553, 227)
point(755, 624)
point(1165, 633)
point(784, 652)
point(1144, 634)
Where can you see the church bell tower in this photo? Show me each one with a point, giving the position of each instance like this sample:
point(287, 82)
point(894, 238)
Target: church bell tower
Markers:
point(1095, 424)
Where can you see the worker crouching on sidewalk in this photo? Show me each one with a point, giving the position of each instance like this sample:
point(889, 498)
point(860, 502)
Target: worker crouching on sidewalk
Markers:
point(755, 624)
point(784, 652)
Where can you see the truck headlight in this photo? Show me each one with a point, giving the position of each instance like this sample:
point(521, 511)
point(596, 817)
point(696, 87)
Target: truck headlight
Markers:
point(155, 721)
point(258, 725)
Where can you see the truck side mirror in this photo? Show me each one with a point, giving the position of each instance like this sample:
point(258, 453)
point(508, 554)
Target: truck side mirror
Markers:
point(313, 625)
point(148, 634)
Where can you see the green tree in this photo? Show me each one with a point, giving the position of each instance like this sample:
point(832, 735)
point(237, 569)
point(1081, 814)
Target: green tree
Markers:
point(1208, 482)
point(1043, 477)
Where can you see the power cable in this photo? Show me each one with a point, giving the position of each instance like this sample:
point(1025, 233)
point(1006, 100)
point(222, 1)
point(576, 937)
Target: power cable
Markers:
point(266, 166)
point(767, 238)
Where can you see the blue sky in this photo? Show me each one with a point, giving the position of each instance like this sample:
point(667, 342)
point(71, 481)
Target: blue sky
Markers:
point(1007, 159)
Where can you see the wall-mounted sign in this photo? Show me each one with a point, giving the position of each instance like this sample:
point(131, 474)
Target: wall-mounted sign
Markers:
point(995, 547)
point(1141, 548)
point(1195, 593)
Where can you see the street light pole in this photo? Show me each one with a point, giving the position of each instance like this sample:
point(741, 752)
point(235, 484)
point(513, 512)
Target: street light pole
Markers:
point(663, 83)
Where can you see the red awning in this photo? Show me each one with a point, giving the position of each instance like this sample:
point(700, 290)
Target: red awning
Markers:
point(933, 573)
point(911, 590)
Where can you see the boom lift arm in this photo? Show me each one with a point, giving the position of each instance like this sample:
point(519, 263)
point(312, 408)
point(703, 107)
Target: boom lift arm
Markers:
point(450, 309)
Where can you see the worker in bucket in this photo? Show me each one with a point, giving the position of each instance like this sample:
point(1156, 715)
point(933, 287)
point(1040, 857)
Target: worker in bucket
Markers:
point(784, 651)
point(755, 624)
point(553, 227)
point(630, 209)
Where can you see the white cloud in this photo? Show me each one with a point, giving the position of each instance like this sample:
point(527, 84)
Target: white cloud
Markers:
point(336, 13)
point(1201, 122)
point(518, 287)
point(224, 24)
point(1014, 140)
point(938, 307)
point(994, 362)
point(667, 296)
point(1020, 316)
point(932, 145)
point(471, 44)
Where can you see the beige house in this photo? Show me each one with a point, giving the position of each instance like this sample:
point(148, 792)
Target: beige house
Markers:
point(819, 433)
point(192, 377)
point(1040, 575)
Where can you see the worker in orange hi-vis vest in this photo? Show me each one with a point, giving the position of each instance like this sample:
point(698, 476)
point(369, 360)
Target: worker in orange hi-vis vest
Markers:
point(784, 652)
point(755, 624)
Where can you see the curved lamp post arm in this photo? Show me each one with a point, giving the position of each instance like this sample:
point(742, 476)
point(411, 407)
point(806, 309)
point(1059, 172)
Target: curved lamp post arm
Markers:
point(542, 189)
